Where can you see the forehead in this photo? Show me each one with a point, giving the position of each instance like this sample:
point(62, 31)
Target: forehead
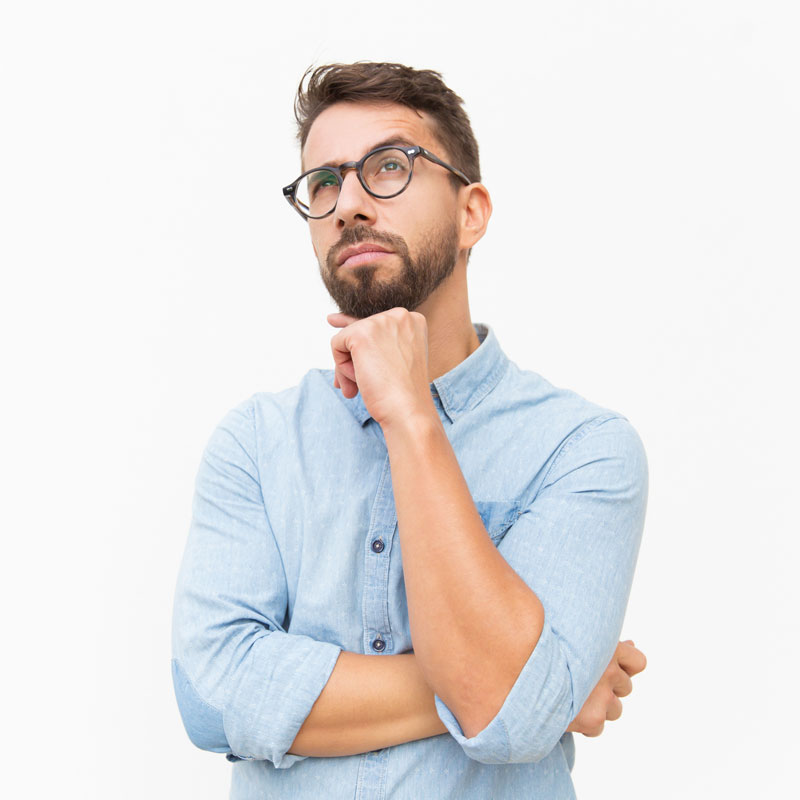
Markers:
point(346, 131)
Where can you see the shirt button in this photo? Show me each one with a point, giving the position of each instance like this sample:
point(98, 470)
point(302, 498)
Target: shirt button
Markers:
point(379, 645)
point(378, 545)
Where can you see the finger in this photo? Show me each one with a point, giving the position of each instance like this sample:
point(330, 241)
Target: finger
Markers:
point(341, 356)
point(623, 685)
point(349, 388)
point(594, 731)
point(343, 363)
point(614, 709)
point(631, 659)
point(348, 369)
point(345, 376)
point(340, 320)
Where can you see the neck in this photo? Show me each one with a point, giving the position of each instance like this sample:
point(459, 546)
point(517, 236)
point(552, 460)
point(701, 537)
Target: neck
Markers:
point(451, 335)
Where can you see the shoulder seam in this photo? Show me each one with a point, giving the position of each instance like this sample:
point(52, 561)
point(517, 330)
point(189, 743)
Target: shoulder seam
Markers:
point(578, 434)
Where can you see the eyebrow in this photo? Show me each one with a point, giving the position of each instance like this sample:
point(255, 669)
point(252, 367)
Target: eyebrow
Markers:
point(391, 140)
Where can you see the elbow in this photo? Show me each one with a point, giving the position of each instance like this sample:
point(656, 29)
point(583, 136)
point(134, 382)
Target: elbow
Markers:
point(535, 715)
point(202, 722)
point(534, 738)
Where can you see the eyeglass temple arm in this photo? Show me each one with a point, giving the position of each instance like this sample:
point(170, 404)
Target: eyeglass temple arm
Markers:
point(431, 157)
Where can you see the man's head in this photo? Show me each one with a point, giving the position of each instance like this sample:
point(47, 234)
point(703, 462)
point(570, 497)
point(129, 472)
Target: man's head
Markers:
point(344, 111)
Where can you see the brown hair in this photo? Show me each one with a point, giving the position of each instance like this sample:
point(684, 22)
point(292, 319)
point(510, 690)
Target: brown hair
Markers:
point(380, 82)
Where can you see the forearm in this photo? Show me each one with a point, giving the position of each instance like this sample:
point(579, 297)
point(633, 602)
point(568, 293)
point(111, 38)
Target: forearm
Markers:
point(474, 622)
point(369, 702)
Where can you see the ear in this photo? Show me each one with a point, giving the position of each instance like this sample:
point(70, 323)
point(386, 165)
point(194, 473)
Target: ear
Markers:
point(475, 210)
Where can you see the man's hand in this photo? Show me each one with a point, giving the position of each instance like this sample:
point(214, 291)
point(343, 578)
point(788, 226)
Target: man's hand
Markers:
point(385, 357)
point(604, 703)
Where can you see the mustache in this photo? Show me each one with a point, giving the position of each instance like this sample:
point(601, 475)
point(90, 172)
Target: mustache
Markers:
point(362, 233)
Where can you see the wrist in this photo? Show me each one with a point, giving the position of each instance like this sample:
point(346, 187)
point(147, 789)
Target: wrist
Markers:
point(419, 422)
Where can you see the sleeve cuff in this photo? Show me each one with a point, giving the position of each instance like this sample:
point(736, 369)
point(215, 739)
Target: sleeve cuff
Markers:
point(285, 676)
point(534, 715)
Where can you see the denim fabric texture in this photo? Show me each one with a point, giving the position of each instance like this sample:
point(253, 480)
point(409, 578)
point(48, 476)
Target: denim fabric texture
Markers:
point(293, 555)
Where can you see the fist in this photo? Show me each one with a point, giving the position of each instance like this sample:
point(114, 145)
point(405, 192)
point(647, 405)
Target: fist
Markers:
point(604, 703)
point(385, 358)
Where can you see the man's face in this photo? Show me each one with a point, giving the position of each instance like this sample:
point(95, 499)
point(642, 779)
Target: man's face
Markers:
point(417, 231)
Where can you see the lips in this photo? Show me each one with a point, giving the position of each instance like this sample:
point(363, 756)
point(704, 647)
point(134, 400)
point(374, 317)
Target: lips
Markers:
point(364, 249)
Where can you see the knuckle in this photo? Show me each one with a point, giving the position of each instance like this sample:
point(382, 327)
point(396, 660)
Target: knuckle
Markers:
point(596, 730)
point(595, 719)
point(615, 712)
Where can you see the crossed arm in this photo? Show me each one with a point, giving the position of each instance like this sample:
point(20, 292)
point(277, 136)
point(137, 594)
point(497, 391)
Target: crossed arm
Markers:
point(234, 663)
point(372, 702)
point(470, 614)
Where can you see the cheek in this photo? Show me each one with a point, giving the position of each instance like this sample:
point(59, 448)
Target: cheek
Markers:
point(318, 244)
point(432, 211)
point(432, 223)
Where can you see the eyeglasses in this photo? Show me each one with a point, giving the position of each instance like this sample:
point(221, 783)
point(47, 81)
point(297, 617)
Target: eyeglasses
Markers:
point(383, 172)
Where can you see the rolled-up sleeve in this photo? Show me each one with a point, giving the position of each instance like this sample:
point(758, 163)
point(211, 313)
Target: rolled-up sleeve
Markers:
point(576, 547)
point(243, 684)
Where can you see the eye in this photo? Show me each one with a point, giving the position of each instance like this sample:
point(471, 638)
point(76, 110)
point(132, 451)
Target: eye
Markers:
point(386, 170)
point(320, 180)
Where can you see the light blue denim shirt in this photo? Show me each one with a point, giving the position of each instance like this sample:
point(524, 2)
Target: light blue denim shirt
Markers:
point(293, 555)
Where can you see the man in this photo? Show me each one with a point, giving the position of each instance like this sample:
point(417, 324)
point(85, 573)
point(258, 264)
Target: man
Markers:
point(305, 646)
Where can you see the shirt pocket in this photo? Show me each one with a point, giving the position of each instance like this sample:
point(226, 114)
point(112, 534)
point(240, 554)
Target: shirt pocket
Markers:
point(498, 516)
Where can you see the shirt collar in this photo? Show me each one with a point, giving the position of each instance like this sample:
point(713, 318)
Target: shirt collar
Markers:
point(460, 389)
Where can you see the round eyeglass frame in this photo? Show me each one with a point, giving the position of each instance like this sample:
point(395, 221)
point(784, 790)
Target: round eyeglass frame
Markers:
point(290, 191)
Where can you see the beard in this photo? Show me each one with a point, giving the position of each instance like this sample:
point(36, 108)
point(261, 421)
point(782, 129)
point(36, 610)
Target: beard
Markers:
point(417, 279)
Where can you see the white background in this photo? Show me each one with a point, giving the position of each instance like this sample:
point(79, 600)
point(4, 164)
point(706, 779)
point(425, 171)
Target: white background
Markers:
point(643, 162)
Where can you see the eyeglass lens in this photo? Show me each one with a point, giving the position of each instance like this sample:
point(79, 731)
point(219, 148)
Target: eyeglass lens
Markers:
point(386, 173)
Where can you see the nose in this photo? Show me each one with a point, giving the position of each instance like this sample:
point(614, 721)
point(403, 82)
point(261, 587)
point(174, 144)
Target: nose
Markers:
point(355, 205)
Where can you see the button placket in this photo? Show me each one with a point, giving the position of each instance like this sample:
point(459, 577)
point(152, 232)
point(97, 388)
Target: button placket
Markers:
point(377, 636)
